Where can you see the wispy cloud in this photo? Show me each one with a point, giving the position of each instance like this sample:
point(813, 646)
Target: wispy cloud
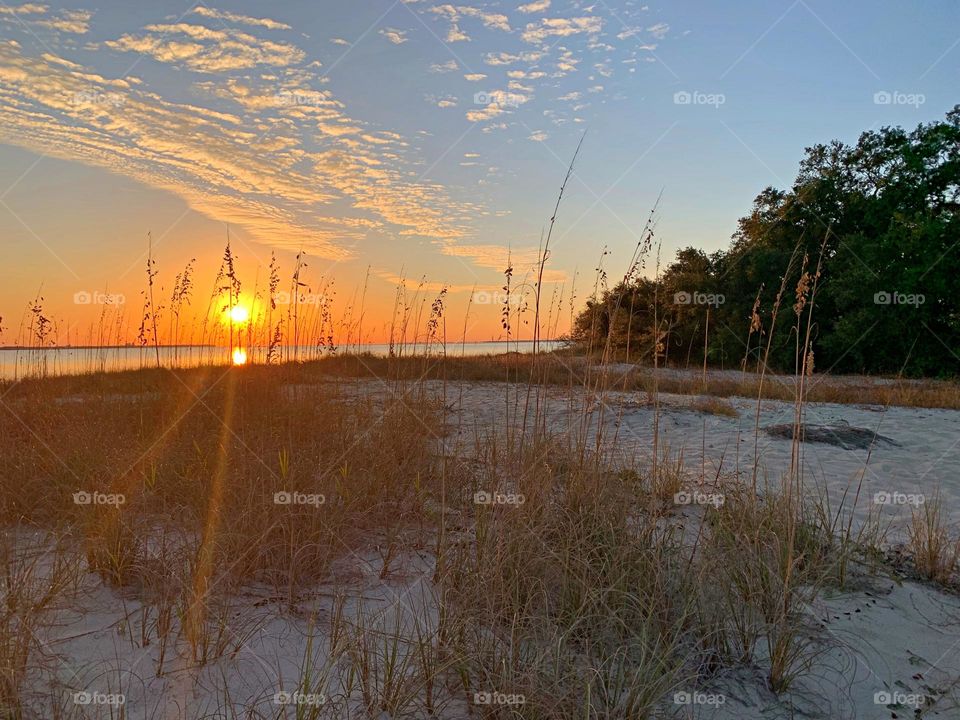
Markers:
point(524, 260)
point(449, 66)
point(244, 124)
point(539, 32)
point(27, 9)
point(36, 15)
point(659, 30)
point(505, 58)
point(231, 17)
point(286, 151)
point(397, 37)
point(534, 7)
point(455, 13)
point(207, 50)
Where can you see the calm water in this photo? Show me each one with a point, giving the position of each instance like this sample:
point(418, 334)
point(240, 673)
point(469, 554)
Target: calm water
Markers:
point(76, 361)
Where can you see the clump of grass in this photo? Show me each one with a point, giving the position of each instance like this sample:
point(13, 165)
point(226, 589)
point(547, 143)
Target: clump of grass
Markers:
point(37, 574)
point(766, 568)
point(576, 576)
point(935, 554)
point(715, 406)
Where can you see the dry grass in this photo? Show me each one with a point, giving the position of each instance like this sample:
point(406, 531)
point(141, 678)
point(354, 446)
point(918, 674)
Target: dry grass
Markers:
point(585, 599)
point(935, 555)
point(560, 368)
point(715, 406)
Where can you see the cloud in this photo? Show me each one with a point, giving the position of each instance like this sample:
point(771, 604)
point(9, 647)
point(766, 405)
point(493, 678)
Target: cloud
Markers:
point(537, 33)
point(448, 66)
point(273, 165)
point(494, 257)
point(538, 136)
point(475, 77)
point(423, 284)
point(27, 9)
point(454, 13)
point(76, 22)
point(526, 75)
point(227, 16)
point(533, 7)
point(488, 112)
point(505, 58)
point(566, 63)
point(659, 31)
point(397, 37)
point(209, 51)
point(70, 21)
point(498, 258)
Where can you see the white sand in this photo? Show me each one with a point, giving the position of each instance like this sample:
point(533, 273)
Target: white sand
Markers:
point(925, 461)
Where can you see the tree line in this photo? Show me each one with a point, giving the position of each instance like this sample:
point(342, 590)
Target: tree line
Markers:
point(868, 233)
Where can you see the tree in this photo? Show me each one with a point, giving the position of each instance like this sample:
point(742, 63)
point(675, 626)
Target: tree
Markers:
point(884, 213)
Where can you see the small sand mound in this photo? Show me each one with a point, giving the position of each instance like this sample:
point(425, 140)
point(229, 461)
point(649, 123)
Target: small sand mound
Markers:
point(844, 436)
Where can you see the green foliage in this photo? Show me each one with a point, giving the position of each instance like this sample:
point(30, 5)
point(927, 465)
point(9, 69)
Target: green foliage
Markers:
point(885, 214)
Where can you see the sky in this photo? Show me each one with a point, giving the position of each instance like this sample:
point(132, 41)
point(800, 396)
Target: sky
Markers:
point(420, 140)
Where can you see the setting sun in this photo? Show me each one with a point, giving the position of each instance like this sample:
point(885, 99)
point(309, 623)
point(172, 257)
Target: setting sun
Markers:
point(239, 314)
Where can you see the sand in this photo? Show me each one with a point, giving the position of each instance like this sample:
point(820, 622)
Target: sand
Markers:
point(883, 637)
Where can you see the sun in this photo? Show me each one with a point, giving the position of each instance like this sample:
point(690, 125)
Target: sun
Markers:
point(239, 314)
point(239, 356)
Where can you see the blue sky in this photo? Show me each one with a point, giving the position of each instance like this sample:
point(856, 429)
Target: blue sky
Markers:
point(424, 138)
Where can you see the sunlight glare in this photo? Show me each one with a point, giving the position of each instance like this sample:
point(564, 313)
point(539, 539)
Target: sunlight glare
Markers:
point(239, 314)
point(239, 356)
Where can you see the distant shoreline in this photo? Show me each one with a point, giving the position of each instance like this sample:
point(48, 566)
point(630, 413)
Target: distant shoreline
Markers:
point(224, 347)
point(99, 347)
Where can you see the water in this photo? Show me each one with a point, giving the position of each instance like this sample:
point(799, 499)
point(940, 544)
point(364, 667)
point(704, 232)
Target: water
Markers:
point(19, 363)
